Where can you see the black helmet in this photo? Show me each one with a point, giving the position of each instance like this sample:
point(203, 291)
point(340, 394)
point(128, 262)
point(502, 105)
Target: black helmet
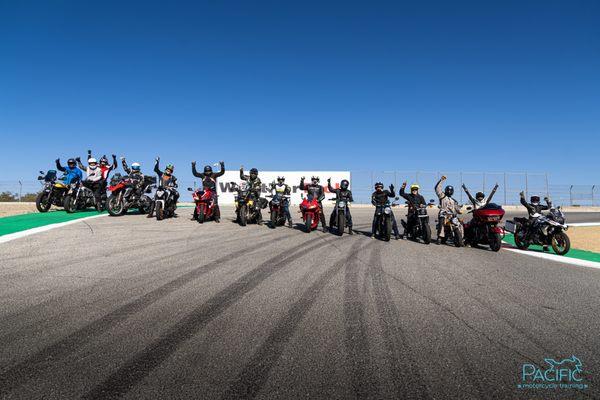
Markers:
point(344, 184)
point(254, 171)
point(280, 179)
point(449, 191)
point(480, 196)
point(104, 160)
point(535, 199)
point(315, 179)
point(378, 185)
point(208, 169)
point(71, 162)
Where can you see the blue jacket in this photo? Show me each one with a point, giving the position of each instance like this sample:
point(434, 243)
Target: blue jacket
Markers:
point(71, 174)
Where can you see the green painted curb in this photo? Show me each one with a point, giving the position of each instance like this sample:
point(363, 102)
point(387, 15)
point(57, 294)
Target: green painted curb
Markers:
point(573, 253)
point(18, 223)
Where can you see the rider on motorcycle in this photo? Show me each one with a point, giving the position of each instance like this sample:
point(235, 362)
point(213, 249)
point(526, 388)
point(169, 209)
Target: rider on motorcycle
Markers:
point(415, 200)
point(316, 191)
point(480, 200)
point(253, 180)
point(345, 194)
point(167, 180)
point(94, 177)
point(448, 204)
point(534, 209)
point(282, 189)
point(380, 197)
point(72, 173)
point(209, 181)
point(135, 174)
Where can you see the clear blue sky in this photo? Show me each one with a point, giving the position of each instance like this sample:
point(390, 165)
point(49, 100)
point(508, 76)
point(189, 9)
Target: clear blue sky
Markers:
point(513, 85)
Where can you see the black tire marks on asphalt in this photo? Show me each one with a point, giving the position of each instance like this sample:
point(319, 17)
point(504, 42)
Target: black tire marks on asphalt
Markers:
point(32, 366)
point(256, 372)
point(138, 367)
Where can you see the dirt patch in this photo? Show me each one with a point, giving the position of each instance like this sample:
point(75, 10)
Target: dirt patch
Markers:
point(585, 238)
point(8, 209)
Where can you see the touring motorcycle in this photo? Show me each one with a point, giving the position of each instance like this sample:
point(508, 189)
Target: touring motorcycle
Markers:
point(483, 228)
point(125, 194)
point(543, 230)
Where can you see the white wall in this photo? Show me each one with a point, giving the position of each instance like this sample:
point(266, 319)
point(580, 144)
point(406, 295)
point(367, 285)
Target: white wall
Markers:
point(292, 178)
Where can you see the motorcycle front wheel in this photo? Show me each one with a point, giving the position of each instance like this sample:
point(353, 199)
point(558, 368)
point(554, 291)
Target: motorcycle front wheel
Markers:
point(561, 244)
point(387, 230)
point(69, 204)
point(521, 245)
point(341, 223)
point(458, 238)
point(42, 202)
point(200, 215)
point(308, 223)
point(495, 242)
point(160, 211)
point(115, 207)
point(426, 233)
point(273, 219)
point(243, 216)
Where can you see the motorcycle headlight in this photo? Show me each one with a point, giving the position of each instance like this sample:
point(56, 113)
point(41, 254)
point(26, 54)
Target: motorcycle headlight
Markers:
point(387, 210)
point(455, 221)
point(342, 204)
point(159, 192)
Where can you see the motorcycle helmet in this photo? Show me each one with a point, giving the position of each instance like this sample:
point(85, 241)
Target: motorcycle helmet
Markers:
point(93, 163)
point(449, 191)
point(208, 170)
point(414, 186)
point(344, 184)
point(253, 173)
point(480, 196)
point(314, 180)
point(104, 160)
point(280, 180)
point(169, 169)
point(379, 186)
point(135, 167)
point(71, 163)
point(535, 200)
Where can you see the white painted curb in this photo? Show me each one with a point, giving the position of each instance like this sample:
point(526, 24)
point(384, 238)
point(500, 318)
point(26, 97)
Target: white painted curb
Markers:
point(554, 257)
point(33, 231)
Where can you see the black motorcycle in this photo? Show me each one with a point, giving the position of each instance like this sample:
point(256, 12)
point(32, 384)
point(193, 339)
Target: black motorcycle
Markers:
point(420, 227)
point(542, 230)
point(53, 192)
point(247, 206)
point(80, 197)
point(164, 202)
point(383, 214)
point(338, 216)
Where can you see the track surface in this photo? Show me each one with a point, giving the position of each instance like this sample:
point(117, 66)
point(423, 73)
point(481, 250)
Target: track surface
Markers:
point(135, 308)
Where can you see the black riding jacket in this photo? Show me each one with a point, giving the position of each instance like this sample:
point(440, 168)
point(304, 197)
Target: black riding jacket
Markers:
point(381, 198)
point(535, 208)
point(316, 191)
point(413, 200)
point(341, 194)
point(169, 181)
point(208, 181)
point(255, 184)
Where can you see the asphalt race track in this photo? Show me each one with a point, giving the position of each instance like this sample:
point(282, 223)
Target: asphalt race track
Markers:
point(134, 308)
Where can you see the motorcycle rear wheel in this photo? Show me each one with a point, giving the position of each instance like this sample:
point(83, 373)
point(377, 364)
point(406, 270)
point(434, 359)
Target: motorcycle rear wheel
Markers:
point(561, 244)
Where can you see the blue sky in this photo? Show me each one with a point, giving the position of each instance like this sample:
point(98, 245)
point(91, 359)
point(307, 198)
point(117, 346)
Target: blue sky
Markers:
point(304, 85)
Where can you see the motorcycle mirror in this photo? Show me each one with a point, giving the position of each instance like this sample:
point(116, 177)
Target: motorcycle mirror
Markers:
point(397, 198)
point(190, 189)
point(42, 172)
point(431, 201)
point(40, 178)
point(469, 208)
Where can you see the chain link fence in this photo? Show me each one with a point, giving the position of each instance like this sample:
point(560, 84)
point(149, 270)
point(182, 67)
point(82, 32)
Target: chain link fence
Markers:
point(510, 184)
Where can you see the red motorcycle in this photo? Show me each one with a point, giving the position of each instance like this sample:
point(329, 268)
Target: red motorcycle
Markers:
point(205, 206)
point(311, 210)
point(483, 228)
point(126, 193)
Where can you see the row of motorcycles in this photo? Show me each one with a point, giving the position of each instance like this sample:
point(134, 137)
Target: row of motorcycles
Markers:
point(483, 229)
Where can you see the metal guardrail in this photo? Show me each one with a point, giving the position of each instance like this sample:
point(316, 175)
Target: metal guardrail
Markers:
point(362, 182)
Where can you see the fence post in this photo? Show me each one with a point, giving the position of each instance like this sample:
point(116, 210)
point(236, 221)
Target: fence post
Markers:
point(461, 183)
point(593, 187)
point(20, 190)
point(571, 195)
point(547, 186)
point(505, 203)
point(483, 188)
point(526, 185)
point(417, 177)
point(372, 178)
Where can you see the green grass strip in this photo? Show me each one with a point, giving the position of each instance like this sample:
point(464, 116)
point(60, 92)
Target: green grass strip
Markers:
point(18, 223)
point(573, 253)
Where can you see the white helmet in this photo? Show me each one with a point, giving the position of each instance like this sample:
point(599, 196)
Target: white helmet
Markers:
point(91, 161)
point(135, 166)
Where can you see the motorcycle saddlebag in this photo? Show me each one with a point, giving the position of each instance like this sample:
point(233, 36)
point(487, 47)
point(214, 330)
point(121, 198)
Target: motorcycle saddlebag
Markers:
point(509, 226)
